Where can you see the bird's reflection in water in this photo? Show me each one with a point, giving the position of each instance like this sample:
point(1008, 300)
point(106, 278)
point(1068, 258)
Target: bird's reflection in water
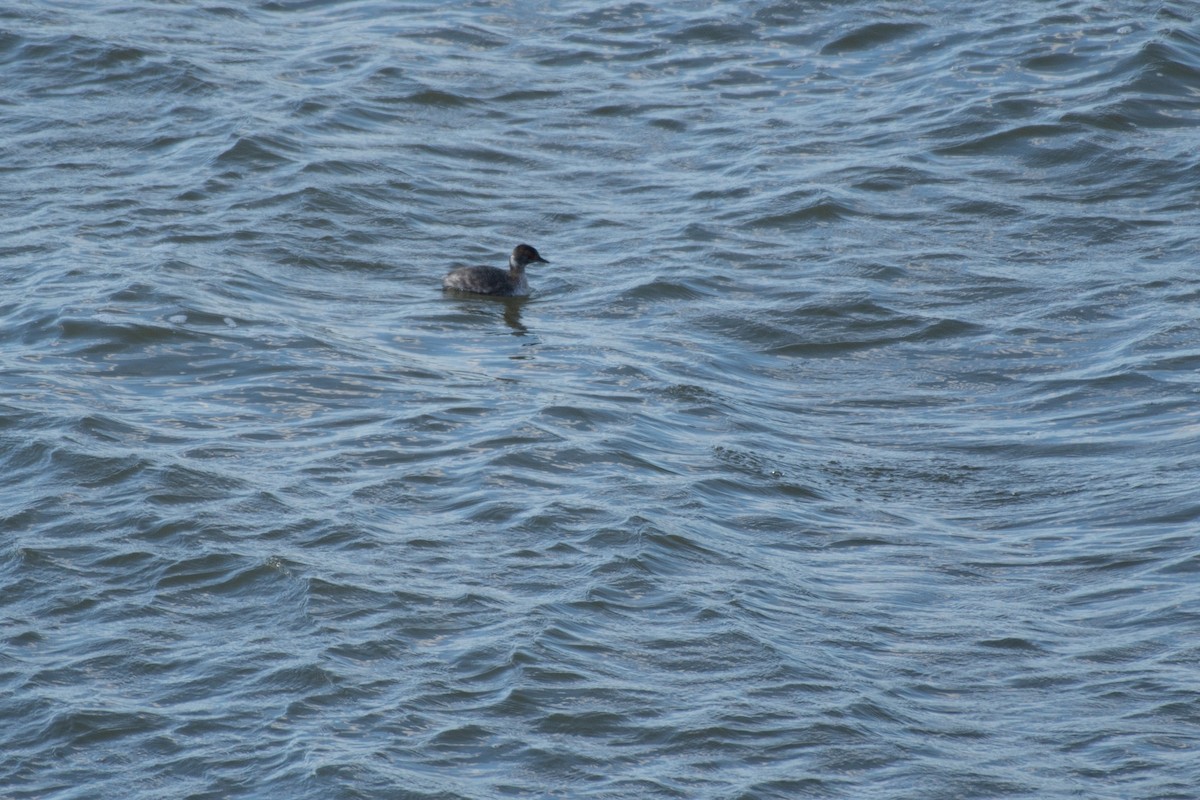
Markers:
point(485, 306)
point(512, 314)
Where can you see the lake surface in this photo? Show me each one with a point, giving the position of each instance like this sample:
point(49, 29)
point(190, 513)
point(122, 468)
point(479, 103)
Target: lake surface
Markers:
point(849, 447)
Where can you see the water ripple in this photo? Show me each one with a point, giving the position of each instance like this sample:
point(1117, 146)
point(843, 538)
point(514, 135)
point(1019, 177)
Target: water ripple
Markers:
point(847, 440)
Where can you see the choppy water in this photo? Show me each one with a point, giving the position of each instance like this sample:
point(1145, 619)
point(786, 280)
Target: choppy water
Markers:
point(848, 448)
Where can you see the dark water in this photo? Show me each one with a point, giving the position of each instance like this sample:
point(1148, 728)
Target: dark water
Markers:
point(848, 448)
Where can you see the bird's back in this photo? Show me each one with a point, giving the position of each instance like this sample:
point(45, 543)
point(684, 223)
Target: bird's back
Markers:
point(482, 280)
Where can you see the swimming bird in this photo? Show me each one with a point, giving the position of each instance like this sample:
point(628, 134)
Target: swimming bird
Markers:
point(492, 280)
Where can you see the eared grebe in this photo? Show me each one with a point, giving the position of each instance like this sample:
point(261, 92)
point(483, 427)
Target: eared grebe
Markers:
point(491, 280)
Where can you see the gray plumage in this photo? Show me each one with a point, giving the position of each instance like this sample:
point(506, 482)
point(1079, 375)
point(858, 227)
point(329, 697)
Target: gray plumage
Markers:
point(495, 281)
